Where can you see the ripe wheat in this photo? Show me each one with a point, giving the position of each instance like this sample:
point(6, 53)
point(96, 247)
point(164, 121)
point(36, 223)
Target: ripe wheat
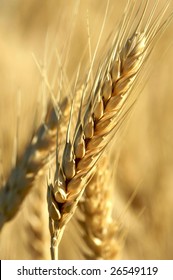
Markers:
point(31, 164)
point(102, 111)
point(35, 224)
point(100, 229)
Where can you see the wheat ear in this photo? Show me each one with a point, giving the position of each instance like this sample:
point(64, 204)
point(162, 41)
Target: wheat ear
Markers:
point(98, 118)
point(32, 163)
point(101, 231)
point(35, 222)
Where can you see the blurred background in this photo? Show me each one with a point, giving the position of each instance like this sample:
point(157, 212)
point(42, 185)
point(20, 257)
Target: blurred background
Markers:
point(40, 32)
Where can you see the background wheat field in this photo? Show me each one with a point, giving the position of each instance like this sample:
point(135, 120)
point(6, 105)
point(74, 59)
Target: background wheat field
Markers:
point(140, 161)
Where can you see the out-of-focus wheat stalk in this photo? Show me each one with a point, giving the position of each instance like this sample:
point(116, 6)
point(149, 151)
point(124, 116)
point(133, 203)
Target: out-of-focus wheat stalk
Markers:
point(100, 228)
point(31, 164)
point(102, 111)
point(35, 224)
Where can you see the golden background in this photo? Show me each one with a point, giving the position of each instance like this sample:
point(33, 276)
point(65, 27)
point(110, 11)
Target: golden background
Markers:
point(143, 182)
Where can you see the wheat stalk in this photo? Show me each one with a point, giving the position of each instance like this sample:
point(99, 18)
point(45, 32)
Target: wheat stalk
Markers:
point(35, 223)
point(99, 117)
point(31, 165)
point(101, 231)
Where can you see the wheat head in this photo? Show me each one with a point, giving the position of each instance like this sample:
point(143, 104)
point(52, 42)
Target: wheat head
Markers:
point(102, 111)
point(32, 163)
point(100, 229)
